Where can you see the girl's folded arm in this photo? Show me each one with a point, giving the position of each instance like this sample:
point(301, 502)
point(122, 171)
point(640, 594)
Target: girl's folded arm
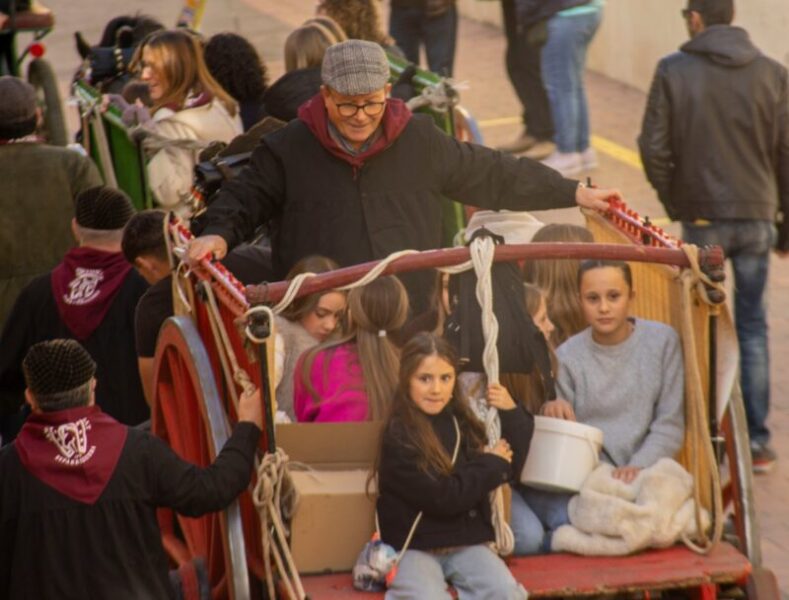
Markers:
point(440, 494)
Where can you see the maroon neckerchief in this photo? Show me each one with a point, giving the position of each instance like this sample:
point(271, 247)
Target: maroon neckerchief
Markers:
point(396, 117)
point(201, 99)
point(74, 451)
point(84, 286)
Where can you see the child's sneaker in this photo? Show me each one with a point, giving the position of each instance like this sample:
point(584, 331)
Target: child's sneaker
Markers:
point(567, 163)
point(762, 457)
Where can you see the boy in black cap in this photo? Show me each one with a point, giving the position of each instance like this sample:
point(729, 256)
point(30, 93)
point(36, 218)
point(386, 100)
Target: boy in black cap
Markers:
point(40, 183)
point(90, 296)
point(79, 490)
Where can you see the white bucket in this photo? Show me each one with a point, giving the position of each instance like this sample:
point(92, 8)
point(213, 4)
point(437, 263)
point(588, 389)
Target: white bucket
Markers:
point(562, 454)
point(514, 227)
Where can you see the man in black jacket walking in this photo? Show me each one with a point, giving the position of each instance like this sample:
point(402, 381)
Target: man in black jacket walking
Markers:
point(715, 146)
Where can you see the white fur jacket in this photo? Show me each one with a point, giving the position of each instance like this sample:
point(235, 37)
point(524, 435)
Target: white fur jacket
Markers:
point(610, 517)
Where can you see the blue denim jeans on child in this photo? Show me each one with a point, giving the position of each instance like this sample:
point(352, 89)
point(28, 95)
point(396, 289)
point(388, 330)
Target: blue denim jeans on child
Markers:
point(410, 27)
point(563, 63)
point(536, 514)
point(748, 245)
point(475, 572)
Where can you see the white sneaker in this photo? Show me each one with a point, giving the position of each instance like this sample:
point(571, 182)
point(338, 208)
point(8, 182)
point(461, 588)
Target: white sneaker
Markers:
point(567, 163)
point(589, 159)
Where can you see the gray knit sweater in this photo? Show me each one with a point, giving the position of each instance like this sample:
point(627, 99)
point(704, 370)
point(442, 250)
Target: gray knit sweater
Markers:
point(633, 391)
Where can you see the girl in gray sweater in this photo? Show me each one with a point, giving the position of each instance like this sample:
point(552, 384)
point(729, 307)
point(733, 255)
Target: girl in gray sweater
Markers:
point(621, 375)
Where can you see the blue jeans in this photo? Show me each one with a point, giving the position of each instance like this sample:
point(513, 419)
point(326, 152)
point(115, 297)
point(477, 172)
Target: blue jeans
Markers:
point(535, 516)
point(748, 245)
point(475, 572)
point(410, 27)
point(563, 63)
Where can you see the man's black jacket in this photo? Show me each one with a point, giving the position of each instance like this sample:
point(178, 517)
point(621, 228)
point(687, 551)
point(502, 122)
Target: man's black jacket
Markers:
point(318, 203)
point(715, 136)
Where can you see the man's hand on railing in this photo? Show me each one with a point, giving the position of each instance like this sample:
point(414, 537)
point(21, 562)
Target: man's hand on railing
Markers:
point(205, 246)
point(596, 198)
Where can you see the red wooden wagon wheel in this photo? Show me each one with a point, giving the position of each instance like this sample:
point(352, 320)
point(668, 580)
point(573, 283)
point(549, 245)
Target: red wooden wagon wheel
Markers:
point(188, 414)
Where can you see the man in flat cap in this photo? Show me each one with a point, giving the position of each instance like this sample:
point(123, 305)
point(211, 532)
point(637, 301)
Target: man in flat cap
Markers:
point(357, 177)
point(39, 183)
point(79, 491)
point(715, 146)
point(91, 297)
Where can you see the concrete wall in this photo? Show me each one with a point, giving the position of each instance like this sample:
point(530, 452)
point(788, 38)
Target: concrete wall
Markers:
point(635, 34)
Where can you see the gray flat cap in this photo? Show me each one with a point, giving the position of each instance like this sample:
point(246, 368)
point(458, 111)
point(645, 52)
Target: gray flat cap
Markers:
point(355, 67)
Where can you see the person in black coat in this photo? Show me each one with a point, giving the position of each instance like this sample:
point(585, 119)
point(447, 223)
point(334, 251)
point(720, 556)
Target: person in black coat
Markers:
point(434, 462)
point(715, 146)
point(357, 177)
point(79, 491)
point(89, 296)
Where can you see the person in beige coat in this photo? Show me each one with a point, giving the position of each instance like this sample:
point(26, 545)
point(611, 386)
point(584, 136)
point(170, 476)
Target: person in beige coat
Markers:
point(190, 110)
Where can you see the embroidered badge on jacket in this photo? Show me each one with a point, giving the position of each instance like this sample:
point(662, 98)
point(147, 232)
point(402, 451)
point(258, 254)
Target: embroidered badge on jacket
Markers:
point(71, 440)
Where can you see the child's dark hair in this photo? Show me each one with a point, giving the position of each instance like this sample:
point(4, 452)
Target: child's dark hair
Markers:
point(595, 263)
point(433, 457)
point(144, 236)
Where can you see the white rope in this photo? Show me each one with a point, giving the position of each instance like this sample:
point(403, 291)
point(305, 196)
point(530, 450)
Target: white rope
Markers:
point(272, 477)
point(482, 251)
point(371, 275)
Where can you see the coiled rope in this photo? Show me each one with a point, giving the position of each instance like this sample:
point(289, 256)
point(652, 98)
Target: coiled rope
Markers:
point(272, 478)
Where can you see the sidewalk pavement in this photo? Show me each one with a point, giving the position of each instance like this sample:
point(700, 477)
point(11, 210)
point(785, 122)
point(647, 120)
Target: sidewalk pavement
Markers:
point(616, 112)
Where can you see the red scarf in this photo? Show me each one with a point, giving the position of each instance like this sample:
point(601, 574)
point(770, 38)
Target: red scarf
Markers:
point(74, 451)
point(396, 117)
point(84, 286)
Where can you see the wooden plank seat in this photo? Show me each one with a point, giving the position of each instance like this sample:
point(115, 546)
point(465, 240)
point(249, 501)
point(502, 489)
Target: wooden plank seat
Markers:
point(560, 575)
point(37, 18)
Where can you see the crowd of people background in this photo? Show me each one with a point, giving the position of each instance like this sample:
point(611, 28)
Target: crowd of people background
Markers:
point(378, 352)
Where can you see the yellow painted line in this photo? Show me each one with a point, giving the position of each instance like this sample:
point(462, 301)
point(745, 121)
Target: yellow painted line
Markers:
point(601, 144)
point(618, 152)
point(499, 122)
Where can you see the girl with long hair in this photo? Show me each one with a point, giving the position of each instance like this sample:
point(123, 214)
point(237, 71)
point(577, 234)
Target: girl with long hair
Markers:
point(305, 323)
point(416, 475)
point(353, 378)
point(621, 375)
point(557, 278)
point(189, 109)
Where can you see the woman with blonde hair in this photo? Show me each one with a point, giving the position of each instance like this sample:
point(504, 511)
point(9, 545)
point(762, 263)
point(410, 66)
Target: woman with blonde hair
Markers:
point(304, 50)
point(354, 378)
point(189, 109)
point(558, 279)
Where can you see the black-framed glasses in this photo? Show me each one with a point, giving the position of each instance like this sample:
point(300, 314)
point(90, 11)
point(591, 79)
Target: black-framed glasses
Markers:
point(371, 109)
point(685, 12)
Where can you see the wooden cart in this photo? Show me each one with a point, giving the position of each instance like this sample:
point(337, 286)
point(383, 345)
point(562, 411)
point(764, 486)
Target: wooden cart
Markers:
point(194, 413)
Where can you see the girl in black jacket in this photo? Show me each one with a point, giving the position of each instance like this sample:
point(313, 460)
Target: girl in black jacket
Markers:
point(416, 475)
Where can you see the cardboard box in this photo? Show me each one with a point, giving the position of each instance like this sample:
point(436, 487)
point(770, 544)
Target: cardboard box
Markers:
point(335, 517)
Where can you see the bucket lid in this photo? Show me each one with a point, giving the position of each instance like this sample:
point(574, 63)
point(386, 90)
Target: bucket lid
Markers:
point(569, 428)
